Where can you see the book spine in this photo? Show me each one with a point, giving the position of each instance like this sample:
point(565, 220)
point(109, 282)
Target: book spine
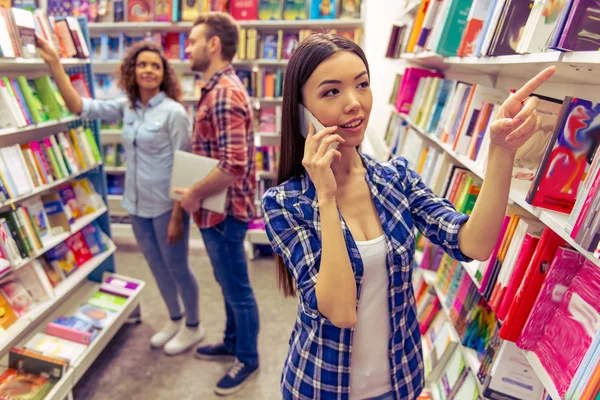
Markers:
point(68, 333)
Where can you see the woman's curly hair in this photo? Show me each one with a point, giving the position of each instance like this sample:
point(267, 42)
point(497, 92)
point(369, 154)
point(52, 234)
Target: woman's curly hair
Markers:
point(170, 84)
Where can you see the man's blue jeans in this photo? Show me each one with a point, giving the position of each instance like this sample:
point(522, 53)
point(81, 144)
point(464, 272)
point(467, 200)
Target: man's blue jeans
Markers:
point(225, 246)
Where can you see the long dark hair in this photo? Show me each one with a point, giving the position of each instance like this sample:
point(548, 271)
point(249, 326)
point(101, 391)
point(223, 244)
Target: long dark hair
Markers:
point(306, 58)
point(170, 83)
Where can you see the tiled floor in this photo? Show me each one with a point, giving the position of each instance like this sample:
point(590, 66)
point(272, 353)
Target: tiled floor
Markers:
point(129, 369)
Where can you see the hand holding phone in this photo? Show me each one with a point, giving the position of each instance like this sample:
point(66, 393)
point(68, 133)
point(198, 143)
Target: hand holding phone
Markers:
point(306, 118)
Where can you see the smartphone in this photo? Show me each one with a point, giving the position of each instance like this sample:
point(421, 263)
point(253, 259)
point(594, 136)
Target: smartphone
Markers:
point(306, 117)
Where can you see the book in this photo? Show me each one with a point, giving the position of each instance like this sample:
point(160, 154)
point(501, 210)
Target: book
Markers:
point(417, 25)
point(22, 384)
point(99, 317)
point(454, 27)
point(294, 9)
point(118, 286)
point(322, 9)
point(62, 257)
point(16, 294)
point(511, 27)
point(349, 9)
point(73, 329)
point(567, 156)
point(582, 31)
point(55, 347)
point(541, 25)
point(244, 9)
point(474, 27)
point(107, 301)
point(270, 9)
point(35, 363)
point(140, 10)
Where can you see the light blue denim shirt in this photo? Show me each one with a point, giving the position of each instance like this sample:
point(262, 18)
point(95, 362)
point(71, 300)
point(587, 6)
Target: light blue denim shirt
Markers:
point(151, 134)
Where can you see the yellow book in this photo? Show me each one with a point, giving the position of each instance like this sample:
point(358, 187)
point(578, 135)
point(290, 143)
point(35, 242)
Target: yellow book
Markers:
point(77, 148)
point(421, 162)
point(280, 44)
point(241, 53)
point(429, 102)
point(463, 194)
point(416, 30)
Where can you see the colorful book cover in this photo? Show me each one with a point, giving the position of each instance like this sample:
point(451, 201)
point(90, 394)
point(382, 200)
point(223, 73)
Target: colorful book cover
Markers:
point(270, 47)
point(7, 315)
point(322, 9)
point(294, 9)
point(291, 40)
point(62, 257)
point(244, 9)
point(530, 286)
point(16, 384)
point(542, 28)
point(79, 247)
point(567, 156)
point(164, 10)
point(454, 28)
point(428, 22)
point(16, 294)
point(582, 30)
point(140, 10)
point(349, 9)
point(56, 347)
point(118, 286)
point(72, 328)
point(416, 26)
point(99, 317)
point(93, 238)
point(38, 113)
point(474, 28)
point(269, 9)
point(21, 99)
point(408, 87)
point(107, 301)
point(513, 25)
point(564, 267)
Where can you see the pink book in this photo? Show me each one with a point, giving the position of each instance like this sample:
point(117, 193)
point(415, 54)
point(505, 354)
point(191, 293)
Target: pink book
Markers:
point(68, 333)
point(37, 152)
point(461, 295)
point(565, 265)
point(408, 87)
point(570, 331)
point(586, 206)
point(489, 267)
point(529, 245)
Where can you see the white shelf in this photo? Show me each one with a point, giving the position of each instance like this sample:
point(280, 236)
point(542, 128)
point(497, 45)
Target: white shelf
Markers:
point(20, 64)
point(115, 170)
point(257, 236)
point(142, 28)
point(45, 188)
point(46, 127)
point(555, 221)
point(111, 66)
point(574, 68)
point(266, 139)
point(540, 371)
point(31, 319)
point(78, 225)
point(79, 367)
point(265, 175)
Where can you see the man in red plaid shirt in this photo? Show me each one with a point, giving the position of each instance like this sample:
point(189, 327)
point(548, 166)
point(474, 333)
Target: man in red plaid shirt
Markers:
point(223, 130)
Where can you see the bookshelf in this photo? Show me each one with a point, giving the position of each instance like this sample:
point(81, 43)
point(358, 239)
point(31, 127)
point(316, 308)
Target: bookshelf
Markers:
point(84, 281)
point(20, 64)
point(577, 75)
point(556, 221)
point(183, 66)
point(142, 28)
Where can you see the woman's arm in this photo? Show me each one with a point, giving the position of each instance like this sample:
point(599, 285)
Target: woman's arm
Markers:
point(516, 122)
point(87, 108)
point(63, 82)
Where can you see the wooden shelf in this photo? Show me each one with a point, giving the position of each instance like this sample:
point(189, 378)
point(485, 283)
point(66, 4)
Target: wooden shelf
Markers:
point(555, 221)
point(143, 28)
point(22, 65)
point(574, 68)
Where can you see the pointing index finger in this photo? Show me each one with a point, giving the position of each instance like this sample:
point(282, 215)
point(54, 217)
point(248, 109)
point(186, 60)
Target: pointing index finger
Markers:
point(534, 83)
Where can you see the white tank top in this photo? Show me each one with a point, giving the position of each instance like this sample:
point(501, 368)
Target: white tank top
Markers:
point(370, 361)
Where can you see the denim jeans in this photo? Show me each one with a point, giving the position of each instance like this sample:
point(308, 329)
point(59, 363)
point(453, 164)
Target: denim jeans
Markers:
point(169, 264)
point(225, 246)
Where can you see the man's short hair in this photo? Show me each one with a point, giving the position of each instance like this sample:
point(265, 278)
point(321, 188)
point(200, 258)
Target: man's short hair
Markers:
point(225, 27)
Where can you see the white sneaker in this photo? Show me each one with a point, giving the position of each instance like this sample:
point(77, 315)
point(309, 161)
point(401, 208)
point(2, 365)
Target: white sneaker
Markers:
point(165, 334)
point(185, 339)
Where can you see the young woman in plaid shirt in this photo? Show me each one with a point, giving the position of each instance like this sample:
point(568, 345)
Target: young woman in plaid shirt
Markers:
point(342, 226)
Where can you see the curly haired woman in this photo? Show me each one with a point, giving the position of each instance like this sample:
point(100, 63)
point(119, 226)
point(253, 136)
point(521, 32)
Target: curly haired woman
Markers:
point(155, 125)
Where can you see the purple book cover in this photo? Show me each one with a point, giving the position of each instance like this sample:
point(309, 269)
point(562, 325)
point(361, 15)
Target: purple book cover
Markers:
point(290, 42)
point(570, 331)
point(565, 265)
point(118, 287)
point(513, 26)
point(582, 30)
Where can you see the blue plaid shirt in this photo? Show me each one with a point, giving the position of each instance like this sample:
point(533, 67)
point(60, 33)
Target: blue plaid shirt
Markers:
point(318, 361)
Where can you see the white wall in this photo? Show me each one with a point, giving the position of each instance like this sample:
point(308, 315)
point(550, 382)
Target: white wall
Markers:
point(379, 17)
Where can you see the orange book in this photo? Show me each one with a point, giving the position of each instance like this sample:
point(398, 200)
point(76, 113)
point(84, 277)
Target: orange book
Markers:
point(591, 390)
point(416, 31)
point(269, 88)
point(422, 161)
point(7, 315)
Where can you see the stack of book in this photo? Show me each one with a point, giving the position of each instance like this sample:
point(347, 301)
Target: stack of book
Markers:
point(173, 11)
point(498, 27)
point(48, 355)
point(266, 158)
point(18, 27)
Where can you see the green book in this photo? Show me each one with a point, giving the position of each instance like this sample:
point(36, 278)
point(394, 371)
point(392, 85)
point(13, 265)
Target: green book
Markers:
point(465, 189)
point(50, 97)
point(107, 301)
point(47, 147)
point(454, 28)
point(93, 145)
point(269, 9)
point(38, 113)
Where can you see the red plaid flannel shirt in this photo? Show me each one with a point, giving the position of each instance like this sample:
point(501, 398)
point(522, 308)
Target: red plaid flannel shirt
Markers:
point(223, 130)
